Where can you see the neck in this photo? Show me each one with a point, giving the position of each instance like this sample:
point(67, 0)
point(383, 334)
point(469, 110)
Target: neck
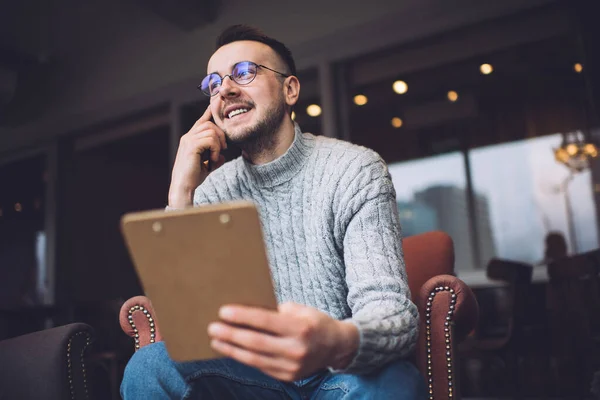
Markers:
point(286, 166)
point(270, 147)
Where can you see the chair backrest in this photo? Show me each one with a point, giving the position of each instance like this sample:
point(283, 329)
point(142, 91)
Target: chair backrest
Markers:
point(517, 276)
point(577, 267)
point(574, 291)
point(573, 300)
point(427, 255)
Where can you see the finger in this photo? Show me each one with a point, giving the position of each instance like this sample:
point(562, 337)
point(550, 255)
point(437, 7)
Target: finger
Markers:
point(258, 318)
point(209, 143)
point(254, 359)
point(250, 339)
point(215, 153)
point(220, 134)
point(291, 308)
point(202, 128)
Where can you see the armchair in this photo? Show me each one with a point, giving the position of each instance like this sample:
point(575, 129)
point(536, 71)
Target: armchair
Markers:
point(49, 364)
point(447, 308)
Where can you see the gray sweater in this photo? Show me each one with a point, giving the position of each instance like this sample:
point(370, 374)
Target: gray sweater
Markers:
point(330, 222)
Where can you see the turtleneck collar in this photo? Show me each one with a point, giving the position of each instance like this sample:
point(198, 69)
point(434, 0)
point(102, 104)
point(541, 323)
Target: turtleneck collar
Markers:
point(285, 167)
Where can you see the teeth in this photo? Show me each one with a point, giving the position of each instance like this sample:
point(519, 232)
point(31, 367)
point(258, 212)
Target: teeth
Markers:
point(236, 112)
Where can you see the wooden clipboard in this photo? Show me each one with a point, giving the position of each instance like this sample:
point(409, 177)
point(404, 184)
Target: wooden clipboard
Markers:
point(191, 262)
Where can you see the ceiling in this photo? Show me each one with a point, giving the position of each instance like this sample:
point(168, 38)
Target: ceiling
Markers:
point(35, 30)
point(36, 34)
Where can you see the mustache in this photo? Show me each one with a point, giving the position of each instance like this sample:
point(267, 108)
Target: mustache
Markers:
point(247, 104)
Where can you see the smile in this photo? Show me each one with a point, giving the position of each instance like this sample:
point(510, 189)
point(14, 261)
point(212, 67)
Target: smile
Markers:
point(237, 112)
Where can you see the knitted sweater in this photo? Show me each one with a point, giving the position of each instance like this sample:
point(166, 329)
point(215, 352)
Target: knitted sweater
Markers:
point(330, 222)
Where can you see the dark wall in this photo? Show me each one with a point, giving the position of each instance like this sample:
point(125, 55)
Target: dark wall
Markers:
point(128, 175)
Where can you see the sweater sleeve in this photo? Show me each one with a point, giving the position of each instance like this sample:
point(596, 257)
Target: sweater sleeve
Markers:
point(198, 199)
point(378, 292)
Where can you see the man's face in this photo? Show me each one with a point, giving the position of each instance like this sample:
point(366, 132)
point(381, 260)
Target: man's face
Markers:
point(263, 98)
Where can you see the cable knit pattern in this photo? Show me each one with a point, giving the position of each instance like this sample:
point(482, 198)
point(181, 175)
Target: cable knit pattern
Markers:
point(330, 222)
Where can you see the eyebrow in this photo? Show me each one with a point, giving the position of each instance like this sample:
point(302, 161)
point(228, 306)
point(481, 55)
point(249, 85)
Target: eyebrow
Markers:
point(230, 68)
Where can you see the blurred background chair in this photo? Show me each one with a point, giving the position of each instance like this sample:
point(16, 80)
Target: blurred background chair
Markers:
point(573, 298)
point(506, 333)
point(50, 364)
point(447, 307)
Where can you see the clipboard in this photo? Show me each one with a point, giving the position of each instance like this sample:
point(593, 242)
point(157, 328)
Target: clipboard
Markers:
point(191, 262)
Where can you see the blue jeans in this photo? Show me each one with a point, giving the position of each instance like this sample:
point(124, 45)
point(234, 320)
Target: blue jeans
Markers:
point(151, 374)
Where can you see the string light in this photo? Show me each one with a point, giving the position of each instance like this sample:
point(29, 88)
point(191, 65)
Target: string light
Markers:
point(400, 87)
point(578, 68)
point(486, 69)
point(313, 110)
point(452, 96)
point(397, 122)
point(360, 99)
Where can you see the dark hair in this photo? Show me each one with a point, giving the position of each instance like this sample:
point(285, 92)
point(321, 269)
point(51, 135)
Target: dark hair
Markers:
point(236, 33)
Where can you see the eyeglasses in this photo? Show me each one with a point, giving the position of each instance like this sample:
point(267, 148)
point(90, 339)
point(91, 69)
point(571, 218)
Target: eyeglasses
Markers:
point(242, 73)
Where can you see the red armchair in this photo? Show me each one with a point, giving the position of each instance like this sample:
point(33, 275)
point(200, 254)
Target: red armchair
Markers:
point(447, 307)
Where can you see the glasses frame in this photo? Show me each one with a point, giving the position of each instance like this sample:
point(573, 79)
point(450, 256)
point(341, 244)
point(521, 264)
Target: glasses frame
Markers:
point(222, 78)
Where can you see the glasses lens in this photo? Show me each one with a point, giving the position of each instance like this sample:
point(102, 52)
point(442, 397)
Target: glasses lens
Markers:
point(244, 72)
point(210, 84)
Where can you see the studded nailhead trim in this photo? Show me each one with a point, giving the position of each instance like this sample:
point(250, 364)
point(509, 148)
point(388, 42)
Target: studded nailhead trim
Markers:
point(446, 334)
point(150, 320)
point(70, 363)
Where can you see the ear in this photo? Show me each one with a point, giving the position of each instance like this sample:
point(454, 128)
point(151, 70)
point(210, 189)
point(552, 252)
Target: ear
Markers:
point(291, 90)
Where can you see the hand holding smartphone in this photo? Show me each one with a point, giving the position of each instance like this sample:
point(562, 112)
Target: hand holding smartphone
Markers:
point(198, 154)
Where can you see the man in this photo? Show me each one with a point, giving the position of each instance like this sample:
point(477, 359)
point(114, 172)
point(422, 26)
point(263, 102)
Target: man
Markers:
point(345, 323)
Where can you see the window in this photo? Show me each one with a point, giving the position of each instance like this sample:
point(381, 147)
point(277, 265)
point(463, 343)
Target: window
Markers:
point(429, 106)
point(431, 194)
point(529, 195)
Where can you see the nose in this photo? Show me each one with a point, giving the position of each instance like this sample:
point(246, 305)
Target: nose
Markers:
point(228, 88)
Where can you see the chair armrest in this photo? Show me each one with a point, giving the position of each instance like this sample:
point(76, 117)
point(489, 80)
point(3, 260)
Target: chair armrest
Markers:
point(449, 311)
point(138, 320)
point(48, 364)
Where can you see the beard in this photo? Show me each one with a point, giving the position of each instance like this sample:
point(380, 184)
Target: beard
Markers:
point(261, 136)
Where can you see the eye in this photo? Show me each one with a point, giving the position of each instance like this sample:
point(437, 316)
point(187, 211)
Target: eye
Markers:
point(214, 82)
point(243, 73)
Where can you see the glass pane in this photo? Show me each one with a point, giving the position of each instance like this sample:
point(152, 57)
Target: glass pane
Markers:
point(431, 195)
point(464, 90)
point(22, 236)
point(528, 192)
